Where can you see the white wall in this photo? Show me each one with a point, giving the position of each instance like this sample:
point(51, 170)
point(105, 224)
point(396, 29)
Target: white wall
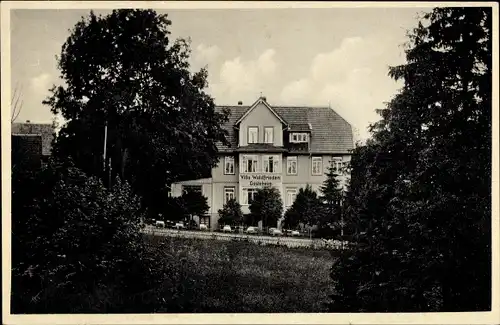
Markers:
point(261, 117)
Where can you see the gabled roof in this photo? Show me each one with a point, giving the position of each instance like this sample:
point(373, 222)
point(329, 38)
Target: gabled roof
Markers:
point(261, 100)
point(330, 133)
point(45, 130)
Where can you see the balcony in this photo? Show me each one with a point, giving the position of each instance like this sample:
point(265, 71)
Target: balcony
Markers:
point(261, 147)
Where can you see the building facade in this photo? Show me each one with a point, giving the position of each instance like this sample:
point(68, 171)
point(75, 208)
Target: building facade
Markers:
point(283, 147)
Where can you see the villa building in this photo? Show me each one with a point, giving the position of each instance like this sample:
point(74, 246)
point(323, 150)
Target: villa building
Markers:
point(284, 147)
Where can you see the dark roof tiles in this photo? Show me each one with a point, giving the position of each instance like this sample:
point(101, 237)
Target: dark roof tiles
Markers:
point(330, 133)
point(300, 127)
point(45, 130)
point(235, 113)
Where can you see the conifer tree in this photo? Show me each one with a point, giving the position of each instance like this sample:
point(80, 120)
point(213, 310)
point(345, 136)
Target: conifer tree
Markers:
point(420, 195)
point(331, 197)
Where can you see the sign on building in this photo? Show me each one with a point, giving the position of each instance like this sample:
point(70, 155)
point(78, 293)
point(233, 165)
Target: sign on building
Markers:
point(260, 180)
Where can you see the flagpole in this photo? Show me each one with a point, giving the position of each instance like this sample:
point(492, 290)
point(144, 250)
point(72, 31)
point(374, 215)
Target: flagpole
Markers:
point(105, 143)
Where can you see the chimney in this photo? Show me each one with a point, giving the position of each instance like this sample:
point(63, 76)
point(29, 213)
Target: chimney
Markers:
point(264, 98)
point(28, 121)
point(240, 103)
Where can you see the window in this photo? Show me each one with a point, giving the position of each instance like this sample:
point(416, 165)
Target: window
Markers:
point(250, 164)
point(268, 134)
point(346, 168)
point(248, 195)
point(253, 134)
point(229, 165)
point(291, 194)
point(317, 165)
point(191, 188)
point(291, 165)
point(229, 194)
point(271, 164)
point(298, 137)
point(337, 164)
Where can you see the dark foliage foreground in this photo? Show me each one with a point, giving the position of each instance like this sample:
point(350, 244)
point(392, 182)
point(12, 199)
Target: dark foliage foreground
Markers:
point(420, 193)
point(172, 275)
point(76, 248)
point(72, 239)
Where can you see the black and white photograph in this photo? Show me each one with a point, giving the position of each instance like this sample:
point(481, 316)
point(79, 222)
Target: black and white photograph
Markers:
point(317, 163)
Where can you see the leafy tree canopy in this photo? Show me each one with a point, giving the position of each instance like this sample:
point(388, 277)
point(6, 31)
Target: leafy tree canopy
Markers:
point(122, 70)
point(291, 219)
point(231, 213)
point(267, 206)
point(307, 206)
point(194, 203)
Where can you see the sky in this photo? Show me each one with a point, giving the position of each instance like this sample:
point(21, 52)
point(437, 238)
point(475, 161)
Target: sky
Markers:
point(311, 57)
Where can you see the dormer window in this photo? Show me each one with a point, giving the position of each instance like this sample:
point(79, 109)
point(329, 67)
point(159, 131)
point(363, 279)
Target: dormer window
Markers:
point(299, 137)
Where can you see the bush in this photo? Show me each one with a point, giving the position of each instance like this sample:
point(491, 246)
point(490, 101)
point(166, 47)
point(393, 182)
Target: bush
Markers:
point(71, 237)
point(231, 213)
point(305, 209)
point(250, 220)
point(328, 232)
point(267, 206)
point(174, 209)
point(291, 219)
point(194, 203)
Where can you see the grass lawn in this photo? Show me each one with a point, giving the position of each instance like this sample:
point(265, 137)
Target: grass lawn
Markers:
point(237, 277)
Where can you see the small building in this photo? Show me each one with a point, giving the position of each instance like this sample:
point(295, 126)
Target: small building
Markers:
point(280, 146)
point(31, 143)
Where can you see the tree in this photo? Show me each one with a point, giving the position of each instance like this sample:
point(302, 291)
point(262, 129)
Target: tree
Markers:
point(331, 198)
point(231, 213)
point(291, 219)
point(420, 187)
point(307, 207)
point(122, 73)
point(194, 204)
point(164, 204)
point(250, 220)
point(267, 206)
point(71, 235)
point(173, 209)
